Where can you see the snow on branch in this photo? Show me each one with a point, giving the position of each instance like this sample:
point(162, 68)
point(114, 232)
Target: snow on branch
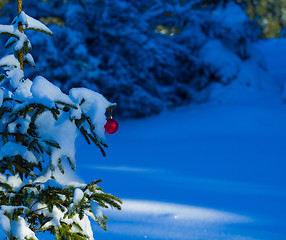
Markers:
point(30, 23)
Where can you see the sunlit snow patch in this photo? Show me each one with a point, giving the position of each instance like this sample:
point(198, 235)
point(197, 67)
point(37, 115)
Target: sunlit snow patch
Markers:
point(119, 168)
point(171, 211)
point(177, 211)
point(160, 220)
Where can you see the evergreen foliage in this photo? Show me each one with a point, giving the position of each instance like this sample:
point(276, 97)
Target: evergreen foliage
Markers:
point(38, 128)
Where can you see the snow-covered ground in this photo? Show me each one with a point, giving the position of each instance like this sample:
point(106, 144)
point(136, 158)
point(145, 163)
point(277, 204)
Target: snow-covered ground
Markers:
point(210, 171)
point(214, 171)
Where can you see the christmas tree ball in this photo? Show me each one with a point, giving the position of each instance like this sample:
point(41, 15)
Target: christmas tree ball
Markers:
point(111, 126)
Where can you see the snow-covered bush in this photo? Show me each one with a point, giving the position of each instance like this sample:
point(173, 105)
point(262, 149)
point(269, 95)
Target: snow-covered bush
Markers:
point(148, 55)
point(38, 128)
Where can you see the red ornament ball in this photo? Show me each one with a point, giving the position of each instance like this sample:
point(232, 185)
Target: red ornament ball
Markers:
point(111, 126)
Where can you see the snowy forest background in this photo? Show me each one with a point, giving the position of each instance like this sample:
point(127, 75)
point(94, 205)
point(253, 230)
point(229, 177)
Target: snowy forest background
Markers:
point(211, 165)
point(180, 47)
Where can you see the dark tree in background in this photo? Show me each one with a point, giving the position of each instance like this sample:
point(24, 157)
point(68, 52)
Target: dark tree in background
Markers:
point(270, 14)
point(145, 55)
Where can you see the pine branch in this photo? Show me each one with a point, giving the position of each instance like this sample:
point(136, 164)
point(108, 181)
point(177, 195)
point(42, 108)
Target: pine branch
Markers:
point(44, 229)
point(85, 134)
point(10, 42)
point(66, 104)
point(9, 188)
point(22, 188)
point(71, 163)
point(60, 166)
point(92, 184)
point(2, 77)
point(52, 143)
point(39, 30)
point(43, 208)
point(10, 34)
point(104, 199)
point(40, 110)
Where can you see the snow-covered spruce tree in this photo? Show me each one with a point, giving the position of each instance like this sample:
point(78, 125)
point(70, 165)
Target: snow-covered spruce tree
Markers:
point(38, 128)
